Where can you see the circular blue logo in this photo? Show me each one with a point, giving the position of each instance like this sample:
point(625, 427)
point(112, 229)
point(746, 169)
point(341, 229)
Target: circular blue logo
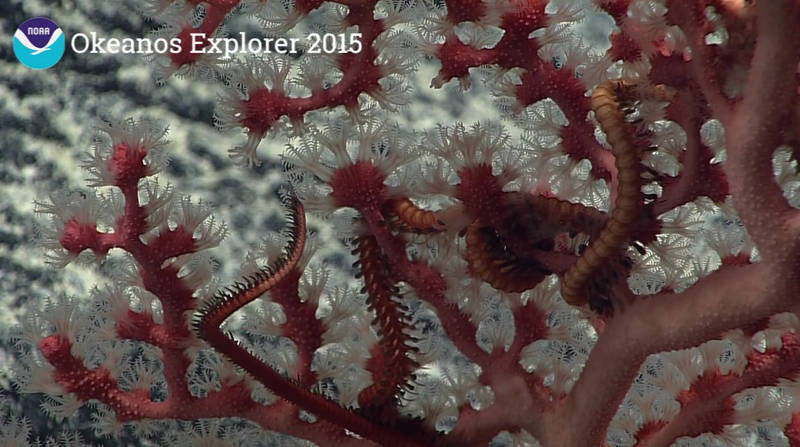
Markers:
point(39, 43)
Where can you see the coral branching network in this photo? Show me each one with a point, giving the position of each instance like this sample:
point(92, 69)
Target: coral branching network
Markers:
point(610, 257)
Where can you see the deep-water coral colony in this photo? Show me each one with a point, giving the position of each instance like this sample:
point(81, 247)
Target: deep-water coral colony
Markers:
point(556, 279)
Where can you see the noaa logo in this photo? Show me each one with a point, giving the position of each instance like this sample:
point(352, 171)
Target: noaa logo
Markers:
point(39, 43)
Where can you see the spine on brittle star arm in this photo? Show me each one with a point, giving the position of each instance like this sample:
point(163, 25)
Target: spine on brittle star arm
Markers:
point(391, 367)
point(617, 230)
